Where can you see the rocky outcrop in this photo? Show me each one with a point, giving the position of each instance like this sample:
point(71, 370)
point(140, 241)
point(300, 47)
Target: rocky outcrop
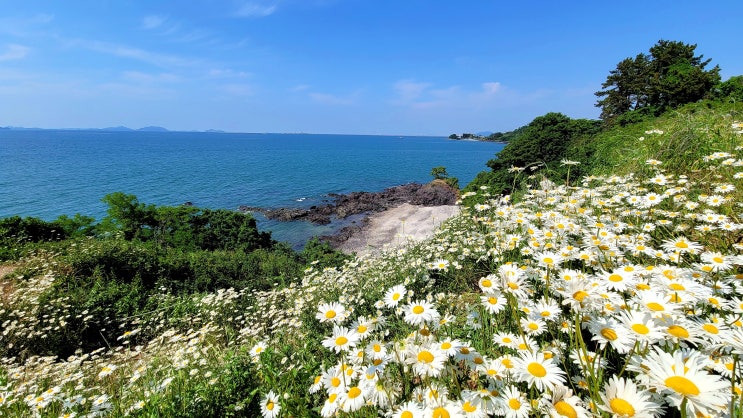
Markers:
point(436, 193)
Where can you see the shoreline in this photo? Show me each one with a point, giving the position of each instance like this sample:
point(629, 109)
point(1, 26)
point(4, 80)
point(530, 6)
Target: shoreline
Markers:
point(392, 228)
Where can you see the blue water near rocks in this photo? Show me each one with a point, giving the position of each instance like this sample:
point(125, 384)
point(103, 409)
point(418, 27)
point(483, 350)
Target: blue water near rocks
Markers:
point(48, 173)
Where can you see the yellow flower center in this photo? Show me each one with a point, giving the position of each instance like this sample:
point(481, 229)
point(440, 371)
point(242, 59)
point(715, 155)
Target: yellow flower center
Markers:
point(492, 300)
point(565, 409)
point(717, 259)
point(425, 357)
point(354, 392)
point(468, 407)
point(406, 414)
point(655, 307)
point(711, 329)
point(445, 345)
point(621, 407)
point(361, 329)
point(643, 286)
point(418, 309)
point(548, 260)
point(537, 369)
point(341, 340)
point(335, 382)
point(464, 350)
point(513, 285)
point(678, 331)
point(514, 404)
point(640, 328)
point(487, 283)
point(270, 406)
point(580, 295)
point(377, 348)
point(507, 363)
point(332, 397)
point(676, 286)
point(533, 326)
point(377, 362)
point(682, 385)
point(682, 244)
point(330, 314)
point(609, 334)
point(441, 412)
point(546, 314)
point(396, 296)
point(615, 278)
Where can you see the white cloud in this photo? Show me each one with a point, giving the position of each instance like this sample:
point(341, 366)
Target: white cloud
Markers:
point(491, 87)
point(256, 9)
point(153, 22)
point(300, 87)
point(331, 99)
point(227, 73)
point(408, 90)
point(140, 77)
point(240, 90)
point(154, 58)
point(14, 52)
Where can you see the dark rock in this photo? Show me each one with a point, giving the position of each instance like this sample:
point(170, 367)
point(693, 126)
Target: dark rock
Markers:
point(435, 193)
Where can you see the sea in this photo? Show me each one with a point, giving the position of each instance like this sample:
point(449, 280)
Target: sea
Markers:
point(48, 173)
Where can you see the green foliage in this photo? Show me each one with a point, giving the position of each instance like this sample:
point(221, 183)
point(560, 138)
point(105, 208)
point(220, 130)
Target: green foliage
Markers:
point(184, 227)
point(321, 255)
point(506, 136)
point(543, 143)
point(17, 233)
point(670, 76)
point(729, 90)
point(439, 173)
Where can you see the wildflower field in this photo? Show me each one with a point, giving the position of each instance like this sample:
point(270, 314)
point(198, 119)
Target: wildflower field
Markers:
point(613, 295)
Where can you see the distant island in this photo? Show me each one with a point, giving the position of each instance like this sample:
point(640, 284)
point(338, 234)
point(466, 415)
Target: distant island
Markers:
point(503, 137)
point(108, 129)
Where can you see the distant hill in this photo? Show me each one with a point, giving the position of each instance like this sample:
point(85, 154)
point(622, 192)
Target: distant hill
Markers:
point(153, 129)
point(117, 129)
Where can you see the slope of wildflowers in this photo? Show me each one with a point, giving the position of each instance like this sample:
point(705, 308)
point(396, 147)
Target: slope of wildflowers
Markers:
point(615, 295)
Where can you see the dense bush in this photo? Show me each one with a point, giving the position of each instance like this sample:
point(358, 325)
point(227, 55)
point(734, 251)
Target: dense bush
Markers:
point(541, 145)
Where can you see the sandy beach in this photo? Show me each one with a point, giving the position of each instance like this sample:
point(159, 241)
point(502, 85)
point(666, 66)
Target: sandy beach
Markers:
point(397, 226)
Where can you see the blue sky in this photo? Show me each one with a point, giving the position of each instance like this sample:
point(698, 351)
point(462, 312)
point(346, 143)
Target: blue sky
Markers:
point(333, 66)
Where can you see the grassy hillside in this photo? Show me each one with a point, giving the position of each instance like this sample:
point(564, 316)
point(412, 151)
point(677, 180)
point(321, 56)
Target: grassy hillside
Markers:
point(616, 294)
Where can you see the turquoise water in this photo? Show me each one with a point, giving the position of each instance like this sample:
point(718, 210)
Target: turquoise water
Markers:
point(49, 173)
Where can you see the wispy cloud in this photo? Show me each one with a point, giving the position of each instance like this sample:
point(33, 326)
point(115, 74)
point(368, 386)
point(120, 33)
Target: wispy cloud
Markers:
point(14, 52)
point(331, 99)
point(140, 77)
point(256, 9)
point(300, 87)
point(153, 22)
point(24, 26)
point(422, 95)
point(227, 73)
point(491, 87)
point(408, 90)
point(137, 54)
point(238, 89)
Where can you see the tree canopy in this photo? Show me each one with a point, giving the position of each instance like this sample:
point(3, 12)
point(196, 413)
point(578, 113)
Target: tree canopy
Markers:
point(668, 77)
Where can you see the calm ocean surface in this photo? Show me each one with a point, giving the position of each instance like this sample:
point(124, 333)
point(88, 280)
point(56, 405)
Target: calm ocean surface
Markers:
point(49, 173)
